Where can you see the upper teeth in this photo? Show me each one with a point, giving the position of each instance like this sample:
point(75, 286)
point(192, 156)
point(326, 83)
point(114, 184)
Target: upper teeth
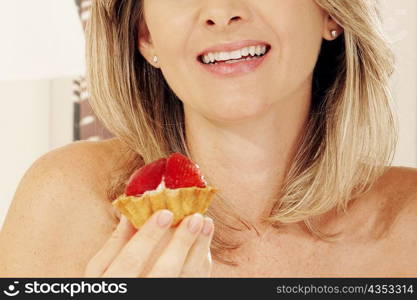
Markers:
point(237, 54)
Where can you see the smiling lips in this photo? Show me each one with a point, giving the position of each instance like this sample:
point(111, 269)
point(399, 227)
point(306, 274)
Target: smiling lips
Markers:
point(246, 52)
point(235, 58)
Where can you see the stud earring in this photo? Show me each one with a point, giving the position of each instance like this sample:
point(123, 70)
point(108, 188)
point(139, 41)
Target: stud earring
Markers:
point(334, 33)
point(155, 59)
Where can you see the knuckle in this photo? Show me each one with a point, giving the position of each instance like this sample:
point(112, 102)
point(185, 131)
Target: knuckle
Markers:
point(116, 238)
point(184, 238)
point(149, 236)
point(130, 257)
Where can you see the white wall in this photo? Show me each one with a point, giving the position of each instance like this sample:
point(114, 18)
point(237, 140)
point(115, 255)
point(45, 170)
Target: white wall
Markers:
point(37, 116)
point(40, 39)
point(61, 112)
point(401, 26)
point(25, 125)
point(42, 49)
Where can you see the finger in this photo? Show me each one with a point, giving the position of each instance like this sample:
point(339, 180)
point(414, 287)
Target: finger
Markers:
point(207, 266)
point(198, 261)
point(103, 258)
point(171, 261)
point(205, 269)
point(132, 258)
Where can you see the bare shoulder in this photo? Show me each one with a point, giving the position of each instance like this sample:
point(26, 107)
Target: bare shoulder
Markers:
point(396, 216)
point(405, 175)
point(398, 186)
point(84, 157)
point(59, 215)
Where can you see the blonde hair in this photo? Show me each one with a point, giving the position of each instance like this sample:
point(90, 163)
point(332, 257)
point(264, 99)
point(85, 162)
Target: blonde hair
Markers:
point(351, 133)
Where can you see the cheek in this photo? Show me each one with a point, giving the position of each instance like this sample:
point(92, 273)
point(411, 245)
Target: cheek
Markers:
point(300, 38)
point(168, 27)
point(300, 56)
point(168, 23)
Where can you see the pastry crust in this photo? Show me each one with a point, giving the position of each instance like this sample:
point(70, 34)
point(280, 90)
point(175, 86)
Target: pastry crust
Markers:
point(181, 202)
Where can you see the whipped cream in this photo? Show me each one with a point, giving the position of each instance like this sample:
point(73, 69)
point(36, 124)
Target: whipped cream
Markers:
point(162, 187)
point(158, 189)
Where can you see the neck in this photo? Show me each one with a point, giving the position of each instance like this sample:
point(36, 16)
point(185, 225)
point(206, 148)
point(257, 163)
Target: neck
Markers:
point(247, 161)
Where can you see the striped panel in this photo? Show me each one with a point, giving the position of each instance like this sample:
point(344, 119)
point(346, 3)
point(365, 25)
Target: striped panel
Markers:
point(86, 125)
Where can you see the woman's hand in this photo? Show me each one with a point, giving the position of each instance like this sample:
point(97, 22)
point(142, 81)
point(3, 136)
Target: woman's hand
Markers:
point(128, 252)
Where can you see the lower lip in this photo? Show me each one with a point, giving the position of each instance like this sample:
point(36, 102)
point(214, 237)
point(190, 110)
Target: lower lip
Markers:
point(237, 68)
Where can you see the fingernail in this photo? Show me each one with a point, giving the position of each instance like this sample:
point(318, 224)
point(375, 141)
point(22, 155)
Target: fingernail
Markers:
point(194, 223)
point(208, 226)
point(164, 218)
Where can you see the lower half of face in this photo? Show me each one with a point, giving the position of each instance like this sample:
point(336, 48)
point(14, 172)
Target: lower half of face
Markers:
point(232, 88)
point(232, 98)
point(275, 82)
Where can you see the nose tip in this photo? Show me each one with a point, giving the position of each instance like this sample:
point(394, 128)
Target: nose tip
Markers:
point(213, 22)
point(222, 14)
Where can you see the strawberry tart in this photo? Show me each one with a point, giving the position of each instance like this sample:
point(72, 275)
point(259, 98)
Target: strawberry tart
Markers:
point(172, 183)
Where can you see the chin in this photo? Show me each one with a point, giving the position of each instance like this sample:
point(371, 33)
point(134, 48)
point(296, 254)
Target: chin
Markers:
point(237, 111)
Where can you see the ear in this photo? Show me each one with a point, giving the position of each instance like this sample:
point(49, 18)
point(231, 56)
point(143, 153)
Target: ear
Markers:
point(145, 45)
point(330, 25)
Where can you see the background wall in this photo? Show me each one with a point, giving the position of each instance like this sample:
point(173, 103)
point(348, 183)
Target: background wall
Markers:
point(36, 86)
point(25, 124)
point(36, 118)
point(401, 26)
point(42, 50)
point(40, 39)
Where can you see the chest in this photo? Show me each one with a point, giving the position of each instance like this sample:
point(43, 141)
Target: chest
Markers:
point(337, 260)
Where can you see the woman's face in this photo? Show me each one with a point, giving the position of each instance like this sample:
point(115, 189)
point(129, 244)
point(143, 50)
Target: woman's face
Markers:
point(180, 31)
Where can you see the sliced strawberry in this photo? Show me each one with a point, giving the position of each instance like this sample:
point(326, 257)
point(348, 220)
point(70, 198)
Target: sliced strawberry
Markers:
point(181, 172)
point(146, 178)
